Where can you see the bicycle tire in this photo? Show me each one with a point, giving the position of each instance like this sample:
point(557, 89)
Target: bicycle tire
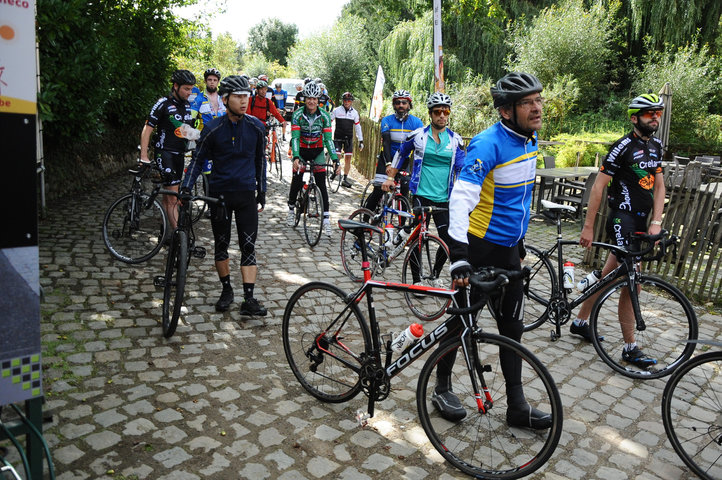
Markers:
point(334, 184)
point(279, 160)
point(482, 444)
point(351, 250)
point(691, 403)
point(134, 228)
point(538, 288)
point(367, 191)
point(670, 321)
point(428, 258)
point(329, 373)
point(175, 282)
point(313, 215)
point(198, 207)
point(402, 204)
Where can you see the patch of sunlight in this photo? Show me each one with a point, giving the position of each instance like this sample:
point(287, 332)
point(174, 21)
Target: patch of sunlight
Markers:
point(291, 278)
point(626, 445)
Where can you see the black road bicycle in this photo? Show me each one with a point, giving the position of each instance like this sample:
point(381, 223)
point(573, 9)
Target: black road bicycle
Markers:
point(663, 317)
point(335, 354)
point(309, 204)
point(180, 250)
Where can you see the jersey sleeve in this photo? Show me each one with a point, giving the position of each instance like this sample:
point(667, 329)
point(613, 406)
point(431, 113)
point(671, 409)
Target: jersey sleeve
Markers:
point(357, 126)
point(156, 113)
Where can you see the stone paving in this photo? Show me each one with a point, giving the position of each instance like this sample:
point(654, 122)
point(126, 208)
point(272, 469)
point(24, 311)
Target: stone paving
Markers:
point(218, 401)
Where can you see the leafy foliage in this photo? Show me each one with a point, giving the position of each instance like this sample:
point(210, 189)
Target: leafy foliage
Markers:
point(222, 53)
point(337, 56)
point(273, 38)
point(255, 65)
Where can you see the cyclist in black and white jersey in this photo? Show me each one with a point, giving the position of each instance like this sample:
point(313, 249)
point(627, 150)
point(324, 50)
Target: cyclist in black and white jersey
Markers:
point(633, 171)
point(173, 118)
point(347, 121)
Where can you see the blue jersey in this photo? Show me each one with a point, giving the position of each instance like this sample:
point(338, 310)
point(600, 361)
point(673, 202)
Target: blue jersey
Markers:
point(280, 97)
point(492, 196)
point(399, 130)
point(202, 106)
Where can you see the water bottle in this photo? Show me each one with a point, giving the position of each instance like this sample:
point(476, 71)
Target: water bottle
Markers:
point(589, 280)
point(401, 236)
point(408, 337)
point(390, 234)
point(569, 275)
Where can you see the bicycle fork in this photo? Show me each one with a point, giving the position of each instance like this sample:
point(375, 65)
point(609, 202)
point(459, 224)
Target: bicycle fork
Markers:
point(482, 396)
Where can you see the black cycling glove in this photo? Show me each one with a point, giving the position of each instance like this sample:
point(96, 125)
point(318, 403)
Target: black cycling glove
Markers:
point(261, 199)
point(460, 270)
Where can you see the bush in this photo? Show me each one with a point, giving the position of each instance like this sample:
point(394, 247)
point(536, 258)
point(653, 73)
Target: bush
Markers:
point(580, 144)
point(473, 109)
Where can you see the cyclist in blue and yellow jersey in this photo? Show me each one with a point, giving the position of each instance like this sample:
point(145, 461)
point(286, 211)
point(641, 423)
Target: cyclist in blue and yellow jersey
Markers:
point(395, 129)
point(633, 173)
point(236, 143)
point(172, 117)
point(489, 213)
point(208, 104)
point(310, 134)
point(438, 155)
point(347, 121)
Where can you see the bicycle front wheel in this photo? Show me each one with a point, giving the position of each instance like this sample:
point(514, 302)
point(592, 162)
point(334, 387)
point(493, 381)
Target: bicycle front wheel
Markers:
point(669, 321)
point(279, 160)
point(334, 181)
point(482, 444)
point(324, 339)
point(198, 207)
point(313, 215)
point(538, 288)
point(351, 258)
point(691, 406)
point(175, 282)
point(133, 228)
point(427, 263)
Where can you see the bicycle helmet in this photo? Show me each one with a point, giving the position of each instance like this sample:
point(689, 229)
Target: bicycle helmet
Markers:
point(312, 90)
point(316, 80)
point(183, 77)
point(514, 86)
point(403, 95)
point(438, 99)
point(263, 77)
point(347, 96)
point(261, 84)
point(278, 85)
point(233, 84)
point(211, 71)
point(306, 80)
point(322, 86)
point(252, 81)
point(299, 85)
point(646, 101)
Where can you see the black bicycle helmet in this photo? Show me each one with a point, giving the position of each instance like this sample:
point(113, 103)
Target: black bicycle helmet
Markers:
point(183, 77)
point(233, 84)
point(211, 71)
point(646, 101)
point(514, 86)
point(306, 80)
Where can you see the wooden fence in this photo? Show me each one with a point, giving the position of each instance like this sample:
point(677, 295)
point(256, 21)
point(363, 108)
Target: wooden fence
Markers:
point(693, 212)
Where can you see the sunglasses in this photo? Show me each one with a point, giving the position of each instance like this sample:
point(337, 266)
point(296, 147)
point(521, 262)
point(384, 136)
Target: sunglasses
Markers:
point(441, 111)
point(538, 101)
point(649, 114)
point(401, 102)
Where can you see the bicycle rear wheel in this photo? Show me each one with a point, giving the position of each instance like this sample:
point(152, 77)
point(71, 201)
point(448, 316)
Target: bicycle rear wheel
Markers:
point(333, 183)
point(313, 215)
point(324, 340)
point(427, 263)
point(279, 160)
point(134, 227)
point(482, 444)
point(175, 282)
point(367, 191)
point(198, 207)
point(669, 322)
point(538, 288)
point(351, 248)
point(691, 406)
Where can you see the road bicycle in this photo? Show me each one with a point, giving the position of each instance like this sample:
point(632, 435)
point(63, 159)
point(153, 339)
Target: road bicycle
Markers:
point(180, 250)
point(664, 318)
point(309, 203)
point(426, 261)
point(334, 180)
point(691, 412)
point(274, 148)
point(335, 353)
point(393, 198)
point(135, 224)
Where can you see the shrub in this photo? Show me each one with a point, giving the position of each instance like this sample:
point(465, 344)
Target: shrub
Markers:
point(581, 144)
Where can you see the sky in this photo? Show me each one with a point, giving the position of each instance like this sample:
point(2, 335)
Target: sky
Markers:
point(240, 16)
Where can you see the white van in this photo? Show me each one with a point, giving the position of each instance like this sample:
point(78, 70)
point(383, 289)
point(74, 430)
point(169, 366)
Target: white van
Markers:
point(289, 85)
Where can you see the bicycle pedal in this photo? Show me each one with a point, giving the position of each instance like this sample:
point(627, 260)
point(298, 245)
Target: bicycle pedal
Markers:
point(199, 252)
point(159, 281)
point(362, 418)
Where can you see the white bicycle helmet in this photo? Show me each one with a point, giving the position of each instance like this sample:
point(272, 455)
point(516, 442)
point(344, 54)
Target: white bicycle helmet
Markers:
point(403, 95)
point(312, 90)
point(437, 99)
point(646, 101)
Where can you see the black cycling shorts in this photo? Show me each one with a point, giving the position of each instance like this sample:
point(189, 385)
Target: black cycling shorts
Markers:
point(345, 145)
point(172, 165)
point(621, 224)
point(243, 206)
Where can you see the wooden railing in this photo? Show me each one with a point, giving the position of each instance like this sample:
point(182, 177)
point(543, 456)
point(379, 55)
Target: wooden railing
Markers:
point(695, 216)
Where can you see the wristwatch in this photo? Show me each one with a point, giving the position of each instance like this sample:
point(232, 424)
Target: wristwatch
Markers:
point(656, 222)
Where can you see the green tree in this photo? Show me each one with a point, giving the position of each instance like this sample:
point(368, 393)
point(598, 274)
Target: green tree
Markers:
point(338, 56)
point(273, 38)
point(221, 53)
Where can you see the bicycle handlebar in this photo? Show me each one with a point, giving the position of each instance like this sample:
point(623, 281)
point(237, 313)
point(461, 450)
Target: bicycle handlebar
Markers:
point(187, 197)
point(428, 209)
point(489, 280)
point(652, 240)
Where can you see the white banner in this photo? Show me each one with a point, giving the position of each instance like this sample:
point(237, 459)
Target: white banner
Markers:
point(377, 102)
point(17, 56)
point(438, 50)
